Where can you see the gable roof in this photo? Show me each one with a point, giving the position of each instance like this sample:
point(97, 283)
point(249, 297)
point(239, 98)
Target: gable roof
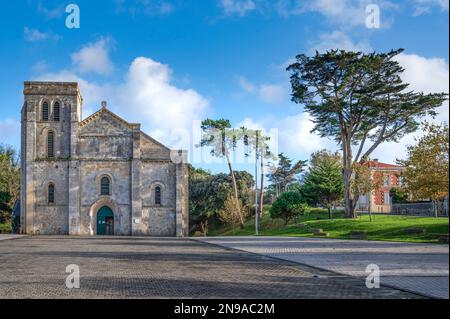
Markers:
point(104, 110)
point(130, 126)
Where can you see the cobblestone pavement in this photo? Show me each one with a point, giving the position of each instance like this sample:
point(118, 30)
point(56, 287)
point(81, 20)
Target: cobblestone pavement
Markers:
point(421, 268)
point(34, 267)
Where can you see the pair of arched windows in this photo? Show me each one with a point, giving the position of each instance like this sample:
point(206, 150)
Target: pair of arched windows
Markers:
point(46, 112)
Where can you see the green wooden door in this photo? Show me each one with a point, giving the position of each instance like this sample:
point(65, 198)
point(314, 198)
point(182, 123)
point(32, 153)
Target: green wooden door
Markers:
point(105, 221)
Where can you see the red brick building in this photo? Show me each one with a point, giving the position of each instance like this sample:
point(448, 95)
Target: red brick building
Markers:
point(391, 177)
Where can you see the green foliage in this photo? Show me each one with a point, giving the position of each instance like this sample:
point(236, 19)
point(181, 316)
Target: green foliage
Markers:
point(399, 195)
point(285, 173)
point(208, 193)
point(323, 184)
point(288, 206)
point(9, 184)
point(427, 175)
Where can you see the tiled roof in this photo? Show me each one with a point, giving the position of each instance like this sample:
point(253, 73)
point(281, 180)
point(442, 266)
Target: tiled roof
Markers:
point(376, 164)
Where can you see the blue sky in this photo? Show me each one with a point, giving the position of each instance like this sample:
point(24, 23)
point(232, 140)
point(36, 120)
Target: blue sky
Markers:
point(167, 63)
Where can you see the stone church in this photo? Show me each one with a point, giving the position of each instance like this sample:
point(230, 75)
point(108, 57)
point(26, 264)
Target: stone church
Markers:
point(97, 176)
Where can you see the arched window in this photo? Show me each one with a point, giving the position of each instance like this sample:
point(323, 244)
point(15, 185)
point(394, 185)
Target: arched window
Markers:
point(51, 194)
point(158, 195)
point(56, 112)
point(50, 144)
point(105, 186)
point(45, 111)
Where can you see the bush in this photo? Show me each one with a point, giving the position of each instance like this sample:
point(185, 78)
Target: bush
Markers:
point(228, 214)
point(5, 228)
point(288, 206)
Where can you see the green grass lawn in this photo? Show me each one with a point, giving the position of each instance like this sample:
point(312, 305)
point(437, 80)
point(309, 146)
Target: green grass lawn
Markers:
point(382, 227)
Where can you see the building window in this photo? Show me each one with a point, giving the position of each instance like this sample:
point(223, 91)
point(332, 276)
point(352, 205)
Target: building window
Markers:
point(56, 112)
point(105, 186)
point(51, 145)
point(51, 194)
point(157, 195)
point(387, 180)
point(387, 198)
point(45, 112)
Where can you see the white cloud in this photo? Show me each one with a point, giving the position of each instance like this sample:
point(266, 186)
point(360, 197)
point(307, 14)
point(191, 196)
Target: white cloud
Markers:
point(149, 97)
point(239, 7)
point(246, 85)
point(94, 57)
point(53, 13)
point(339, 40)
point(428, 75)
point(268, 93)
point(34, 35)
point(10, 132)
point(425, 6)
point(272, 93)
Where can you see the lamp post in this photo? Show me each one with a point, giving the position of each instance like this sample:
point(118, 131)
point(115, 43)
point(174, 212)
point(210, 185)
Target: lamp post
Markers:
point(256, 187)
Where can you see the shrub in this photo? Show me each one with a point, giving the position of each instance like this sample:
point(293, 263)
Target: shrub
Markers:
point(228, 214)
point(288, 206)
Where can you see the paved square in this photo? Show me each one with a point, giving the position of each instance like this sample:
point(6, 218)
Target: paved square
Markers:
point(34, 267)
point(422, 268)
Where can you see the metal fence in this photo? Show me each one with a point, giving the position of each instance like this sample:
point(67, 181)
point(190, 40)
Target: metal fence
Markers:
point(421, 209)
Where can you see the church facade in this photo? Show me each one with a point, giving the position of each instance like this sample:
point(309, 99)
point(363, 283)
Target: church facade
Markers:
point(97, 176)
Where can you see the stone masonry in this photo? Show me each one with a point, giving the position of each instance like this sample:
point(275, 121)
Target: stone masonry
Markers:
point(139, 170)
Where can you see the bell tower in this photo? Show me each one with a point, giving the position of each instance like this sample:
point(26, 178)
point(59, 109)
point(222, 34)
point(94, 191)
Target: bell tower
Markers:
point(49, 120)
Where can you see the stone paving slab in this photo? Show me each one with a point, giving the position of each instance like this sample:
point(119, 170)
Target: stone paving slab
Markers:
point(34, 267)
point(422, 268)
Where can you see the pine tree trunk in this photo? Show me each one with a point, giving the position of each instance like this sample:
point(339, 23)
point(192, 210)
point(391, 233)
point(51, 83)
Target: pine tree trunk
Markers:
point(347, 174)
point(261, 191)
point(235, 189)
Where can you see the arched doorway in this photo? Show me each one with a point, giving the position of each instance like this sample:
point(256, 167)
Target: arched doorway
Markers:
point(105, 221)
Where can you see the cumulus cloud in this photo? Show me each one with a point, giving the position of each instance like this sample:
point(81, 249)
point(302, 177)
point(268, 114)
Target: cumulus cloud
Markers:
point(34, 35)
point(10, 132)
point(272, 93)
point(148, 96)
point(428, 75)
point(268, 93)
point(339, 40)
point(239, 7)
point(94, 57)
